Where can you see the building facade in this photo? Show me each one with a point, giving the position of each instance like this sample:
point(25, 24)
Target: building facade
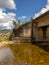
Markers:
point(24, 30)
point(41, 27)
point(37, 29)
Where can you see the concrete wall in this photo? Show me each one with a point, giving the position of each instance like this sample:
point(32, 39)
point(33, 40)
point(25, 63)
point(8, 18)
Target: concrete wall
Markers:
point(44, 21)
point(48, 33)
point(27, 30)
point(40, 34)
point(41, 22)
point(34, 29)
point(24, 30)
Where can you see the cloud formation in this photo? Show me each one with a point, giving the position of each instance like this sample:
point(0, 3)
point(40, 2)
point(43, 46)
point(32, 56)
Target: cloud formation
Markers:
point(7, 4)
point(22, 17)
point(6, 18)
point(43, 10)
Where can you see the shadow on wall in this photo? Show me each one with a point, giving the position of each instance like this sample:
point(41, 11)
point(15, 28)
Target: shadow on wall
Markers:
point(42, 44)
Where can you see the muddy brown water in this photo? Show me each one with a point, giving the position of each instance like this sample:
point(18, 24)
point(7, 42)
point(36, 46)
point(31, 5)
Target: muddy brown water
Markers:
point(7, 57)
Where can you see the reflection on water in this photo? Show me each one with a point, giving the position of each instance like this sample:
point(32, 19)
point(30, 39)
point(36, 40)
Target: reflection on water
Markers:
point(6, 56)
point(24, 54)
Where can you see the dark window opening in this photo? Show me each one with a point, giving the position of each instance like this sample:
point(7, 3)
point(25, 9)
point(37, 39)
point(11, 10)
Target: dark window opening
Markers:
point(44, 28)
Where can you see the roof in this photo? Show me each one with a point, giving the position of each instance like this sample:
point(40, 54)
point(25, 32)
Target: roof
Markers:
point(23, 25)
point(46, 13)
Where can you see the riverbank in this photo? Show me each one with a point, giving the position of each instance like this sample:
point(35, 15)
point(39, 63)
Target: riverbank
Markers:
point(6, 43)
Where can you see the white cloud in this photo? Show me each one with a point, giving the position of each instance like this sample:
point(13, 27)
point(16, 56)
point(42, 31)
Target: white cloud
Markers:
point(22, 17)
point(6, 19)
point(43, 10)
point(7, 4)
point(2, 14)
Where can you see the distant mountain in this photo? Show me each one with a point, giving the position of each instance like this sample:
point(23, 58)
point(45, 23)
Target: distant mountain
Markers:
point(6, 30)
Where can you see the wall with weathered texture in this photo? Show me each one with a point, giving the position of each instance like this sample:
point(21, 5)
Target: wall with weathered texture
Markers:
point(41, 22)
point(40, 34)
point(24, 30)
point(44, 21)
point(47, 33)
point(34, 29)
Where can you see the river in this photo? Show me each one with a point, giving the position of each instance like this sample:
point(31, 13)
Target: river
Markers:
point(6, 56)
point(23, 54)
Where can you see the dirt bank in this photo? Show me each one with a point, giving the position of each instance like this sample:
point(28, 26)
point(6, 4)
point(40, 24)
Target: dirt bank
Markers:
point(5, 43)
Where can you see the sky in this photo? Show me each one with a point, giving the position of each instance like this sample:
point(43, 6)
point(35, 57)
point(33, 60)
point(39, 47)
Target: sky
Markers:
point(20, 10)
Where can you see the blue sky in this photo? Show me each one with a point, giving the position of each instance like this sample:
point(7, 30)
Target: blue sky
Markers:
point(21, 9)
point(27, 8)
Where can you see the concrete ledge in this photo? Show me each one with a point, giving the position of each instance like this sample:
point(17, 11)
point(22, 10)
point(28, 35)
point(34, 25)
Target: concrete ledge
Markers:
point(41, 41)
point(42, 44)
point(21, 40)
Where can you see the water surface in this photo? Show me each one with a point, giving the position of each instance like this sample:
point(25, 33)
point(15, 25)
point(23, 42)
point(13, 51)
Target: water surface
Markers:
point(6, 56)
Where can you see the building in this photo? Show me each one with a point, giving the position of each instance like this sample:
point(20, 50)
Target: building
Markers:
point(37, 29)
point(41, 27)
point(24, 30)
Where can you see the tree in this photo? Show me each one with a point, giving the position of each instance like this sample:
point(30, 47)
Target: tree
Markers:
point(15, 26)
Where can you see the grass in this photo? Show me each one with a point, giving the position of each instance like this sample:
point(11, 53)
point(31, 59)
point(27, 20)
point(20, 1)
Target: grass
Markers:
point(30, 54)
point(3, 39)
